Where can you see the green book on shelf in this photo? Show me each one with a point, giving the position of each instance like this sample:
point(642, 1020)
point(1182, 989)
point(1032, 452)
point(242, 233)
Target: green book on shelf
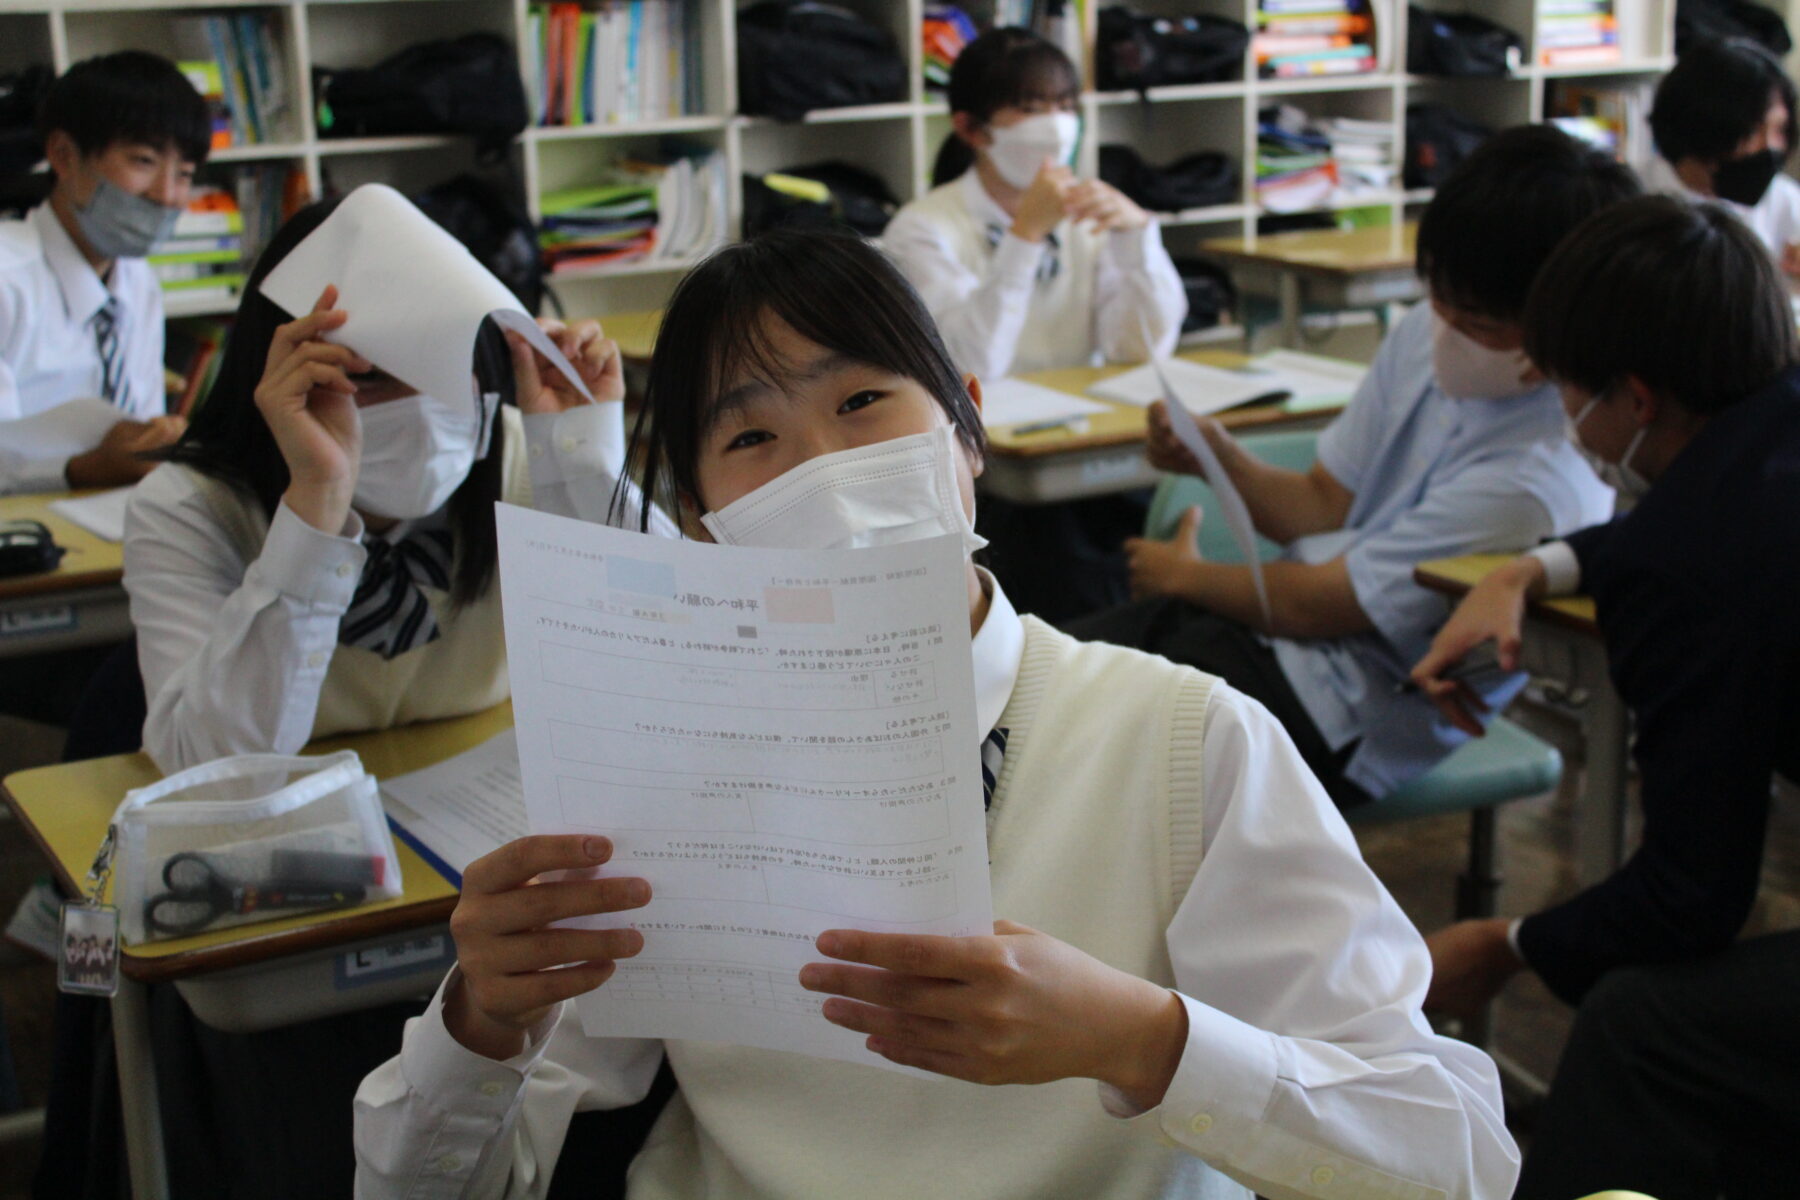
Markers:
point(613, 199)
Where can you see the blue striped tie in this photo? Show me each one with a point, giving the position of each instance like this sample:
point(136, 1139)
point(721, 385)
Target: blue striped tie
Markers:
point(113, 384)
point(993, 753)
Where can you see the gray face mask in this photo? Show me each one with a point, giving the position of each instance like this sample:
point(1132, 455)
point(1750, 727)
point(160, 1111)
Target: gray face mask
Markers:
point(118, 224)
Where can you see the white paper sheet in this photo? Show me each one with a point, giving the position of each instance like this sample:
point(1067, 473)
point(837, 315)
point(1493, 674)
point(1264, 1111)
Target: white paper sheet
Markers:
point(781, 742)
point(1206, 389)
point(68, 429)
point(1231, 503)
point(102, 514)
point(1314, 380)
point(415, 295)
point(1016, 402)
point(457, 810)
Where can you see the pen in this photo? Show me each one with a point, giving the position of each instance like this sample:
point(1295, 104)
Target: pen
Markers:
point(1073, 424)
point(1267, 398)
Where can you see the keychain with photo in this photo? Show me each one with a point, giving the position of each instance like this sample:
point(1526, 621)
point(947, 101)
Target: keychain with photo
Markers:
point(87, 958)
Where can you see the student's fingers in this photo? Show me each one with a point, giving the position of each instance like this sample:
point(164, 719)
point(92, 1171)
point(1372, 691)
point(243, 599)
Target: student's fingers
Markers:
point(327, 299)
point(1453, 699)
point(915, 954)
point(925, 996)
point(306, 329)
point(283, 378)
point(905, 1028)
point(938, 1062)
point(525, 369)
point(523, 859)
point(532, 906)
point(545, 949)
point(1187, 530)
point(505, 996)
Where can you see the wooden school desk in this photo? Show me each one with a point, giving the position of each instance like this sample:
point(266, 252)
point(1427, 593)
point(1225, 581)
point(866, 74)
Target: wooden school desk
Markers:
point(1061, 464)
point(265, 975)
point(1353, 268)
point(1562, 640)
point(79, 603)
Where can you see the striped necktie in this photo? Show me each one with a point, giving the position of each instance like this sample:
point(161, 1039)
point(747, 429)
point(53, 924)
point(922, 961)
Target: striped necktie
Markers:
point(993, 754)
point(113, 384)
point(389, 613)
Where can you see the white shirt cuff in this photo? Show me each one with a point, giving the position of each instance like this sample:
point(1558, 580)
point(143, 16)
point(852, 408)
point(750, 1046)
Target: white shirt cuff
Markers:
point(1131, 247)
point(1016, 261)
point(588, 439)
point(1562, 570)
point(439, 1067)
point(315, 567)
point(1221, 1089)
point(49, 475)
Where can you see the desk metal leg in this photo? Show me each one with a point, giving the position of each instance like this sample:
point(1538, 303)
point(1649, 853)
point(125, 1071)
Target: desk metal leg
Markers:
point(137, 1092)
point(1600, 817)
point(1290, 309)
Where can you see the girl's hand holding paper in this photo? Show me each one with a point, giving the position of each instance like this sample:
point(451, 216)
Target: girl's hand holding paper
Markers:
point(541, 385)
point(309, 400)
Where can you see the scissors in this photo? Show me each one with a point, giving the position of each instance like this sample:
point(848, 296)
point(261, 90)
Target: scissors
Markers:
point(198, 895)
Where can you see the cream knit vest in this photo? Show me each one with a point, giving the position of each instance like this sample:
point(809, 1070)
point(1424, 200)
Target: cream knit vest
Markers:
point(1094, 840)
point(1059, 330)
point(462, 671)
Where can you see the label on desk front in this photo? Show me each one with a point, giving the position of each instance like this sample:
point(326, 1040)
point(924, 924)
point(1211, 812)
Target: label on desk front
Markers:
point(28, 622)
point(374, 964)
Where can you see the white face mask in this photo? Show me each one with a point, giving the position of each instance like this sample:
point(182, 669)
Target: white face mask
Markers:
point(417, 450)
point(1019, 151)
point(1467, 370)
point(899, 490)
point(1619, 476)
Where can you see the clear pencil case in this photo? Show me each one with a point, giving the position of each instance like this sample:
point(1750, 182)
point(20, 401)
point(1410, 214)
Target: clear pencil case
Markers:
point(250, 838)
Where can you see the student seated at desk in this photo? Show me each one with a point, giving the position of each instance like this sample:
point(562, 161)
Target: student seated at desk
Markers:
point(1254, 1019)
point(81, 316)
point(1725, 122)
point(1667, 329)
point(1452, 445)
point(1024, 266)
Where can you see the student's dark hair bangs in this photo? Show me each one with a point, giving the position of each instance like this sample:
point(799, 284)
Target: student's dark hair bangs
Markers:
point(130, 96)
point(1680, 295)
point(834, 289)
point(1004, 67)
point(1715, 96)
point(228, 439)
point(1496, 219)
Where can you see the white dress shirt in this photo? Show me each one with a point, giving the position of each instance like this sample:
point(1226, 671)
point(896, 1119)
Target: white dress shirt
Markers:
point(1301, 978)
point(234, 652)
point(1775, 219)
point(999, 309)
point(49, 354)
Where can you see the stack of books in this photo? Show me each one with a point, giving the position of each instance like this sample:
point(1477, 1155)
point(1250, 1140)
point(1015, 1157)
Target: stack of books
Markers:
point(1300, 38)
point(946, 30)
point(621, 62)
point(203, 258)
point(1615, 119)
point(668, 207)
point(235, 61)
point(1577, 33)
point(1306, 163)
point(192, 350)
point(1365, 155)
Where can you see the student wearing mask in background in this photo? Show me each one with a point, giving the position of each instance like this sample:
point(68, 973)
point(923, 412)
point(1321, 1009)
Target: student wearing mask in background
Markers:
point(1452, 445)
point(80, 312)
point(1668, 330)
point(1724, 121)
point(1025, 266)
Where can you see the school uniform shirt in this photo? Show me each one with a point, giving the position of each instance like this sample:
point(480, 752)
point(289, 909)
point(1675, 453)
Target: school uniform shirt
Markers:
point(1432, 476)
point(49, 350)
point(1694, 589)
point(1227, 876)
point(1775, 219)
point(1006, 306)
point(237, 612)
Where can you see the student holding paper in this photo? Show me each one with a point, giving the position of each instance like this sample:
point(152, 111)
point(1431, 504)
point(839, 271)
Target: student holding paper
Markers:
point(1025, 266)
point(1452, 445)
point(1668, 331)
point(81, 320)
point(1187, 919)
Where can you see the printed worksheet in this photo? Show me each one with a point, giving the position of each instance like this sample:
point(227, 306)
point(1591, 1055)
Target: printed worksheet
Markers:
point(781, 742)
point(457, 810)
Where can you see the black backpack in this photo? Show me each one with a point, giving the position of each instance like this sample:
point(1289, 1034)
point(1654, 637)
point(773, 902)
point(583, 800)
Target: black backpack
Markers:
point(1195, 181)
point(1702, 20)
point(1133, 52)
point(1459, 44)
point(469, 84)
point(1437, 140)
point(860, 201)
point(1210, 293)
point(492, 222)
point(795, 56)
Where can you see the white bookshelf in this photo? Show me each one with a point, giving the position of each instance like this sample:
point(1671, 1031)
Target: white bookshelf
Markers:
point(896, 141)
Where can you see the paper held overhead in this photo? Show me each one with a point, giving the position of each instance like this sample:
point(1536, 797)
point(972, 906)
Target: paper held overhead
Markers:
point(415, 296)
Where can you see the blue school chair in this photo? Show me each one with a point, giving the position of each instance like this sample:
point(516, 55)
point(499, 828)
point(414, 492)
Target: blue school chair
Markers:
point(1508, 764)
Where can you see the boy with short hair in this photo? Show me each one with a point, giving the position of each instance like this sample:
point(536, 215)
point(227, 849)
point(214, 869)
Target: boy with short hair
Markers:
point(80, 312)
point(1452, 445)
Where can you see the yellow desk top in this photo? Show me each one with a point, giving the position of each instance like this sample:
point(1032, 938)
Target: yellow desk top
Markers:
point(1329, 251)
point(1125, 424)
point(1455, 576)
point(90, 561)
point(66, 809)
point(634, 331)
